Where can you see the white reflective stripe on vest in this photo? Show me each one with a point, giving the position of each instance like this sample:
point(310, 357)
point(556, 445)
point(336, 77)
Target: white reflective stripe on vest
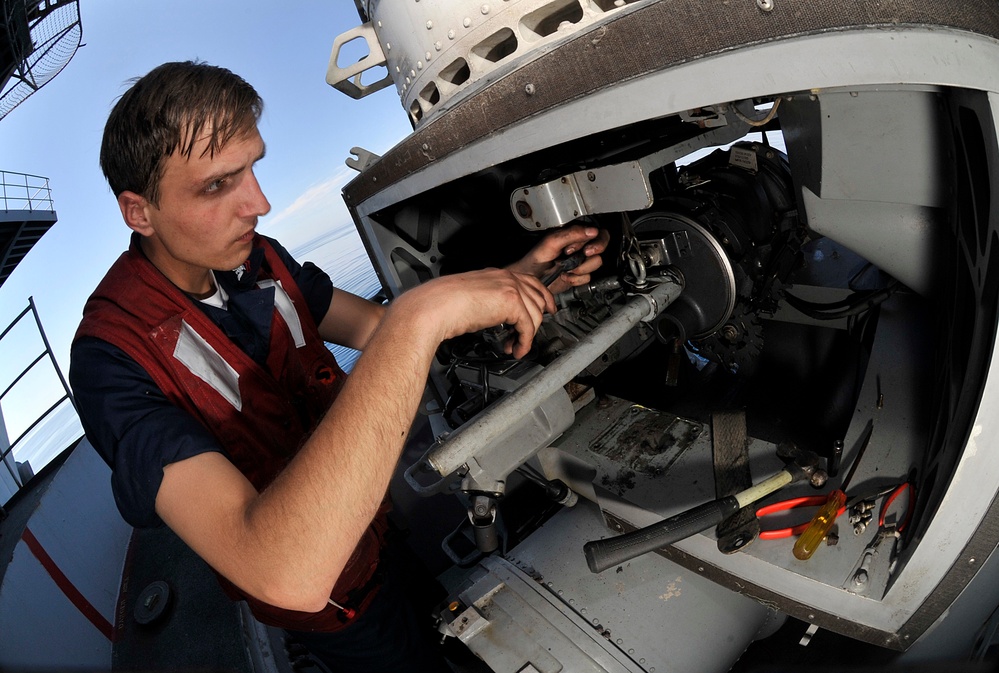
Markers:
point(286, 307)
point(204, 362)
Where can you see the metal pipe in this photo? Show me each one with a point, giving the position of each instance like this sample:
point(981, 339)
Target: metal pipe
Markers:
point(489, 425)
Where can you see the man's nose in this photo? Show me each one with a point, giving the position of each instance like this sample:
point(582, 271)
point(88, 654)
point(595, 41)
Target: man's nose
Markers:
point(256, 203)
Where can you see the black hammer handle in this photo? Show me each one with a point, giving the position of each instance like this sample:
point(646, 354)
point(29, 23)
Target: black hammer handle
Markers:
point(602, 554)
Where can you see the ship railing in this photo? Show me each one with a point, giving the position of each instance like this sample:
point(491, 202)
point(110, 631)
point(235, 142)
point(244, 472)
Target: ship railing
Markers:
point(7, 449)
point(23, 191)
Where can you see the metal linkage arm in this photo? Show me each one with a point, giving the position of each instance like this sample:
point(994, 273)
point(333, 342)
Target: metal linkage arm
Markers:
point(505, 435)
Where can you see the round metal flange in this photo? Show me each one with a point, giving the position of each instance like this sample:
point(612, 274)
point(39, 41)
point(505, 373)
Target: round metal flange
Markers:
point(708, 298)
point(152, 603)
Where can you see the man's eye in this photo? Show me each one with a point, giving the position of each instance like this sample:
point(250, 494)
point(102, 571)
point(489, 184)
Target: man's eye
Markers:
point(215, 186)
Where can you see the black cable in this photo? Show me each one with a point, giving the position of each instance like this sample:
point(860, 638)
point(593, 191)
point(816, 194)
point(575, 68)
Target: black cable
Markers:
point(855, 304)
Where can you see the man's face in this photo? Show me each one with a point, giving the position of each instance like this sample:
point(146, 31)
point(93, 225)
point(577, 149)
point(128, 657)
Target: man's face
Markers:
point(207, 212)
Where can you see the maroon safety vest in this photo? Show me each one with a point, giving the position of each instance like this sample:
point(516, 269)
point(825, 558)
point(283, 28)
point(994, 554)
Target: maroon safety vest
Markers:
point(260, 416)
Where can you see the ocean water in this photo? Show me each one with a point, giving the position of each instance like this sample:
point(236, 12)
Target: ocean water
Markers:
point(340, 253)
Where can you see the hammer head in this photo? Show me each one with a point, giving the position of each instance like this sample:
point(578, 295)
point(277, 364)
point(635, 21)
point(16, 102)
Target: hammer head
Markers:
point(802, 463)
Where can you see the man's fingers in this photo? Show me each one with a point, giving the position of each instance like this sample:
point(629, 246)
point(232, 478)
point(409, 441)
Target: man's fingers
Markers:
point(566, 241)
point(536, 300)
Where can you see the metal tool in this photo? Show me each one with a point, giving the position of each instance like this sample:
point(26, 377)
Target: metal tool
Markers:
point(872, 568)
point(603, 554)
point(563, 264)
point(497, 337)
point(784, 505)
point(816, 531)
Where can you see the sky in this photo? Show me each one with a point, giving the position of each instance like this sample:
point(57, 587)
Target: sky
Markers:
point(308, 126)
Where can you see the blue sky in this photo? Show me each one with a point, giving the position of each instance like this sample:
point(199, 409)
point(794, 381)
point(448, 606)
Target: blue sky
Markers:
point(308, 126)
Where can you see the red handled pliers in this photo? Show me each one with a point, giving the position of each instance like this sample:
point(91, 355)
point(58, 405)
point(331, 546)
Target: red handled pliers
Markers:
point(819, 500)
point(793, 503)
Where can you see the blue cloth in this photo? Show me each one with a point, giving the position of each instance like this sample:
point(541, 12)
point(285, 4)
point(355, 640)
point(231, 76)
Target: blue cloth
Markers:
point(128, 419)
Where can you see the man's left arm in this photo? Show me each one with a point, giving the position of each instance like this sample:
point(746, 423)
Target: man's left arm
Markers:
point(350, 320)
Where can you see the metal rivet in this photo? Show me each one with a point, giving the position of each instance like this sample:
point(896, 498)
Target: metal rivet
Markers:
point(765, 5)
point(379, 24)
point(529, 89)
point(430, 25)
point(426, 147)
point(485, 9)
point(388, 46)
point(419, 65)
point(467, 22)
point(437, 45)
point(428, 54)
point(450, 34)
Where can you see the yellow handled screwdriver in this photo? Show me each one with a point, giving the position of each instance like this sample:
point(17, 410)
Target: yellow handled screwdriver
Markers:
point(823, 520)
point(818, 528)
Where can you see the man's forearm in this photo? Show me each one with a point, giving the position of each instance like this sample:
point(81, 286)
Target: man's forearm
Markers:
point(326, 498)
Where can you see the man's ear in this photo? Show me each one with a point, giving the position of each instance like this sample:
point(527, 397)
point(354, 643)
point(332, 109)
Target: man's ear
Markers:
point(134, 211)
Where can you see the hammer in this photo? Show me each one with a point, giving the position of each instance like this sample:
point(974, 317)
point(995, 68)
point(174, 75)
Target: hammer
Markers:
point(799, 465)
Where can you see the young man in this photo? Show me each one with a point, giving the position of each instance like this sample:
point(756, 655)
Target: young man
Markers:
point(202, 376)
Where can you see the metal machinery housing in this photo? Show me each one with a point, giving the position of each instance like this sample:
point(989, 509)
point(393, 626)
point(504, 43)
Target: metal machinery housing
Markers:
point(804, 197)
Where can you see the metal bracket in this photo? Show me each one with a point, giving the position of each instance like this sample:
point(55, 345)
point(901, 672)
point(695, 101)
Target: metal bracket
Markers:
point(348, 80)
point(614, 188)
point(361, 159)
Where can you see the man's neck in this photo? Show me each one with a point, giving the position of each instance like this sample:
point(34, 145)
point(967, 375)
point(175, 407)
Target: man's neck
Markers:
point(196, 282)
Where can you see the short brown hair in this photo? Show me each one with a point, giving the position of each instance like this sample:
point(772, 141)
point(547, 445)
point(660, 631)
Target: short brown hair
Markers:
point(165, 111)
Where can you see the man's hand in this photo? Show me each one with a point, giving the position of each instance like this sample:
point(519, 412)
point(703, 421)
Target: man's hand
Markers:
point(542, 258)
point(450, 306)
